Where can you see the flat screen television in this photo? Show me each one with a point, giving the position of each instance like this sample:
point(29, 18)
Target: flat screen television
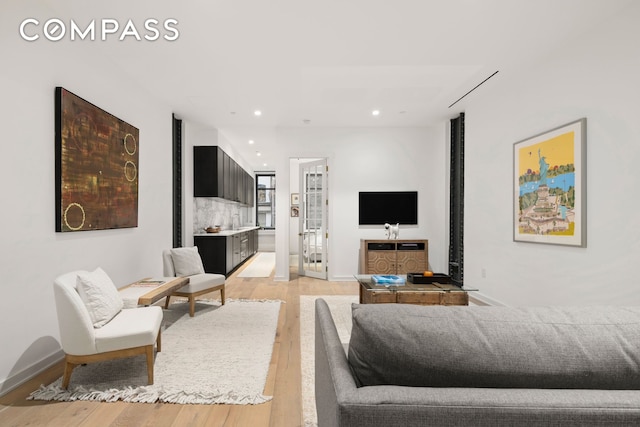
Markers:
point(380, 207)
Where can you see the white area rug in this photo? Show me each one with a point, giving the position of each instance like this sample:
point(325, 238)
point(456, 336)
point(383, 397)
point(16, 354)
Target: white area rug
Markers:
point(340, 306)
point(261, 266)
point(221, 355)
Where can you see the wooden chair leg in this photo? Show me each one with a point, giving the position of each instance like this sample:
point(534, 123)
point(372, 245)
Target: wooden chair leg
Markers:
point(159, 340)
point(66, 377)
point(149, 349)
point(222, 295)
point(192, 305)
point(166, 302)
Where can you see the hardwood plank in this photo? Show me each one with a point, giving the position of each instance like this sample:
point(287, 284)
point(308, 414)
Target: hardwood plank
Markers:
point(194, 416)
point(287, 400)
point(108, 414)
point(77, 413)
point(138, 414)
point(39, 415)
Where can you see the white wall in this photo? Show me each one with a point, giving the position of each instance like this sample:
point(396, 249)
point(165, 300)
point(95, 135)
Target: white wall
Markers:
point(367, 159)
point(595, 77)
point(266, 241)
point(32, 253)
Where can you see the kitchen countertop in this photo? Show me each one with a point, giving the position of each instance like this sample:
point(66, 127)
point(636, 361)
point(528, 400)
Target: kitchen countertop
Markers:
point(225, 233)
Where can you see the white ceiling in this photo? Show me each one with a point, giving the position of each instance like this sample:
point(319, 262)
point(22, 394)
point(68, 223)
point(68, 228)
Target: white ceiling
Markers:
point(332, 62)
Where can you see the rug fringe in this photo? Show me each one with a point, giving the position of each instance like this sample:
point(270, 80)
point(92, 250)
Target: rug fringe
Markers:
point(55, 392)
point(255, 300)
point(211, 300)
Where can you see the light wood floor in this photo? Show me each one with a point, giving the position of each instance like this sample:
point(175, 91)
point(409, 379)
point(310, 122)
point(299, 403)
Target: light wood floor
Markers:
point(283, 381)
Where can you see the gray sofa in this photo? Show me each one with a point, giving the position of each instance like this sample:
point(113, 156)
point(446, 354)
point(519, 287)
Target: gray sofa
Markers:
point(479, 366)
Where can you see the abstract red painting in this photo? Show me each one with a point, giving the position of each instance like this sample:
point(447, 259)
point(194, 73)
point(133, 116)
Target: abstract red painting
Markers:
point(96, 167)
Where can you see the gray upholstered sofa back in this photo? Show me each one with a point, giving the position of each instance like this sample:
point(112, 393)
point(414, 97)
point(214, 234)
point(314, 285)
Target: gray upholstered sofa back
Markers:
point(534, 347)
point(340, 402)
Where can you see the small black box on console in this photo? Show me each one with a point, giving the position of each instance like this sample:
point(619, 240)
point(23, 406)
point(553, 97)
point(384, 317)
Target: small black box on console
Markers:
point(419, 278)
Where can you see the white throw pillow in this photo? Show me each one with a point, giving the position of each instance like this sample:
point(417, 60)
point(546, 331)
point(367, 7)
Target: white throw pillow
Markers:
point(100, 296)
point(187, 261)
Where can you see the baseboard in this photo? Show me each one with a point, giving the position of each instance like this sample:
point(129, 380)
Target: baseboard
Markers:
point(21, 377)
point(342, 279)
point(481, 299)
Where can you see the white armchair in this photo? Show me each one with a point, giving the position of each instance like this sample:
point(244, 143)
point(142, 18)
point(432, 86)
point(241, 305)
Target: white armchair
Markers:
point(181, 262)
point(130, 332)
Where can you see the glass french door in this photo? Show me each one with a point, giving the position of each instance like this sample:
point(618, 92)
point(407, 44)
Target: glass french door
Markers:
point(314, 230)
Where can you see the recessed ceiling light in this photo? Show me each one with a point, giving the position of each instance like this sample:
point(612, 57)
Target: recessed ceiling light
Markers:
point(264, 164)
point(376, 112)
point(258, 153)
point(251, 141)
point(257, 113)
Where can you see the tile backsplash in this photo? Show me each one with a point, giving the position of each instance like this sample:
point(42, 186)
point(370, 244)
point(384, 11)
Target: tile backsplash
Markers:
point(209, 212)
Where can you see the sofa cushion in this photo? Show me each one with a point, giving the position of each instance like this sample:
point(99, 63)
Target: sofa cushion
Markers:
point(536, 347)
point(100, 296)
point(187, 261)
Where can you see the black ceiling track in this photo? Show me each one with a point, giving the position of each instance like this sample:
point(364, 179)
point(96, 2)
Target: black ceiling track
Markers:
point(476, 87)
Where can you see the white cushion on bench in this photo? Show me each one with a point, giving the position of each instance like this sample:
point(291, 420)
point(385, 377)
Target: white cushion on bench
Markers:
point(130, 328)
point(200, 282)
point(186, 261)
point(100, 296)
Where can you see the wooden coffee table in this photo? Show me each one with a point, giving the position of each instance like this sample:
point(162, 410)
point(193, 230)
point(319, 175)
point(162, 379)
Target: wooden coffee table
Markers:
point(410, 293)
point(149, 290)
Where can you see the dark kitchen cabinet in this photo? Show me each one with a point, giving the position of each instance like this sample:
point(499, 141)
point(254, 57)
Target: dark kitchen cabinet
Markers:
point(215, 174)
point(236, 256)
point(249, 191)
point(228, 182)
point(223, 254)
point(208, 167)
point(213, 251)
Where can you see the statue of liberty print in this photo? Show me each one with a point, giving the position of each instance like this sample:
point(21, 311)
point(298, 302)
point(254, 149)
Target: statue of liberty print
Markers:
point(544, 167)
